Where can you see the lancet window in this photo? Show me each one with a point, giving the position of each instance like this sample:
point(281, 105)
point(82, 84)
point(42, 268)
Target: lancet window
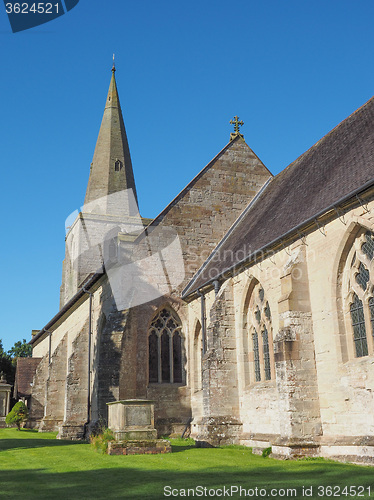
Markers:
point(166, 343)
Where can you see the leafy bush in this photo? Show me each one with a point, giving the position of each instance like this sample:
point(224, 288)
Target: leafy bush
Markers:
point(100, 441)
point(266, 452)
point(17, 415)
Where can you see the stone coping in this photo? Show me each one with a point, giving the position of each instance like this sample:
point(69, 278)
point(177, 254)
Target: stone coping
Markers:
point(132, 402)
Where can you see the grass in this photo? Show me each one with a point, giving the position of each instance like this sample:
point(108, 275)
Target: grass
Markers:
point(35, 465)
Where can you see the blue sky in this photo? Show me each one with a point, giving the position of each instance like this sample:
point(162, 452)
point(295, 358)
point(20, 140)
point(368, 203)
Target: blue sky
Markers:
point(292, 70)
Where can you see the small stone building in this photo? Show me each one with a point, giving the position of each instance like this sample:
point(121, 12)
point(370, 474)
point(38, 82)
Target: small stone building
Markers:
point(245, 308)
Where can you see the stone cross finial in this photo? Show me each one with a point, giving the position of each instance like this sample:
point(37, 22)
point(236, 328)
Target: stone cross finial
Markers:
point(114, 64)
point(235, 121)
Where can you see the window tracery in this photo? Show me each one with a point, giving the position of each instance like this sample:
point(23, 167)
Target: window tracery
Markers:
point(165, 342)
point(260, 338)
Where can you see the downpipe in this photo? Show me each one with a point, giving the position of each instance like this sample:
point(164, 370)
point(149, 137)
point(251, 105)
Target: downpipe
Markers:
point(203, 320)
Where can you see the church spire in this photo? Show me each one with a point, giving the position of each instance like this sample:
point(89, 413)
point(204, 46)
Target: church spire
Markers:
point(111, 168)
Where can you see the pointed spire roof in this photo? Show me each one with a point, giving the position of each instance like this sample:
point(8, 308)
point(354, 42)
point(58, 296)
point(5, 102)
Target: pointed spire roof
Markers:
point(111, 168)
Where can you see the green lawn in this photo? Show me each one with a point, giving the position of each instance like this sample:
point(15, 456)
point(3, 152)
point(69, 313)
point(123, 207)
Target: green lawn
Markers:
point(34, 465)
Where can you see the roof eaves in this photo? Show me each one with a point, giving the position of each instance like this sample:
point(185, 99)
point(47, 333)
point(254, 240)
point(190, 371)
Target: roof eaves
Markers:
point(230, 271)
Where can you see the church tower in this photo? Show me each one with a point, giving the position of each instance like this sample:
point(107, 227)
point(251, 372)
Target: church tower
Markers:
point(110, 206)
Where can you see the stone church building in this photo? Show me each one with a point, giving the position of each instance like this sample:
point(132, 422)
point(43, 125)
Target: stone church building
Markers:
point(245, 309)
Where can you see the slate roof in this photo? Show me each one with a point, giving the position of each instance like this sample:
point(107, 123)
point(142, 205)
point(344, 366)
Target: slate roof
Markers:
point(26, 368)
point(334, 168)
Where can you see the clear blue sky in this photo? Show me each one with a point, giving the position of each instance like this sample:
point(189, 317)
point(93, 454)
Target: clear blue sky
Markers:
point(291, 69)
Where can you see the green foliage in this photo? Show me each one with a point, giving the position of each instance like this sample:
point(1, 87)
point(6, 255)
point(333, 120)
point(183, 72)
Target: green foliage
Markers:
point(2, 352)
point(8, 360)
point(20, 350)
point(266, 452)
point(6, 366)
point(100, 441)
point(17, 415)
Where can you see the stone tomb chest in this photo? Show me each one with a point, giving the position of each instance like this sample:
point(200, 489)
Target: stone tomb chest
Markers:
point(132, 422)
point(132, 419)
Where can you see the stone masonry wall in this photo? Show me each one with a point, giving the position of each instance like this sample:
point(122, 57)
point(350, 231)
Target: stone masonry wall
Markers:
point(321, 400)
point(221, 418)
point(76, 389)
point(37, 400)
point(200, 216)
point(109, 359)
point(345, 382)
point(212, 202)
point(55, 389)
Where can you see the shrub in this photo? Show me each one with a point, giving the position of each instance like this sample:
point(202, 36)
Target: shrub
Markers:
point(100, 441)
point(17, 415)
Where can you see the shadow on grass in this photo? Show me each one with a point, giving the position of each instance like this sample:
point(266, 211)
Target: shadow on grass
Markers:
point(30, 438)
point(132, 483)
point(7, 444)
point(178, 448)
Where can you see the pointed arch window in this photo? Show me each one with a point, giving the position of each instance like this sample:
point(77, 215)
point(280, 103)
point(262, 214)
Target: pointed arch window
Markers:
point(165, 349)
point(260, 336)
point(118, 165)
point(361, 294)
